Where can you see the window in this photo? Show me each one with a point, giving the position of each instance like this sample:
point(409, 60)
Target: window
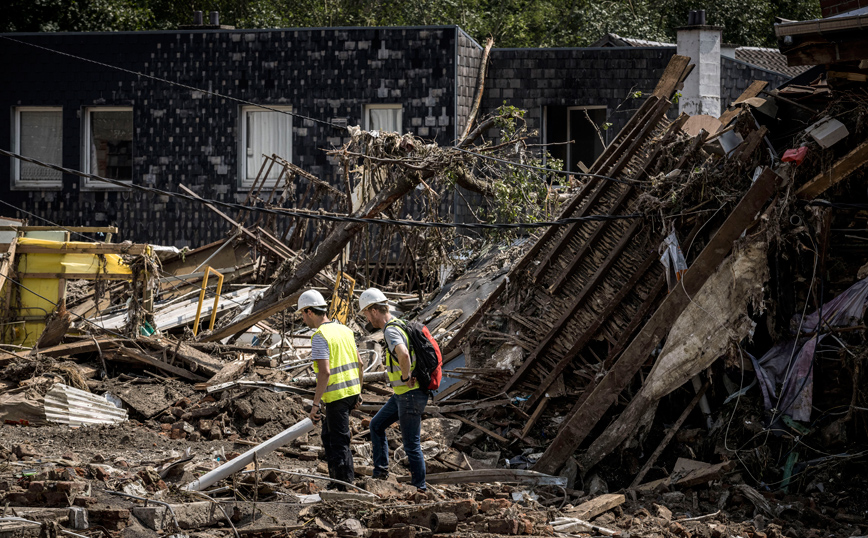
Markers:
point(108, 145)
point(576, 134)
point(263, 132)
point(383, 118)
point(38, 133)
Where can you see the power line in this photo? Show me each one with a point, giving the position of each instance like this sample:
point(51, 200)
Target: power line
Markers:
point(179, 84)
point(295, 114)
point(320, 216)
point(44, 220)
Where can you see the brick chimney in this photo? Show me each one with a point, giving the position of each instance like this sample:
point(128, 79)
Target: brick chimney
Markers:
point(701, 93)
point(836, 7)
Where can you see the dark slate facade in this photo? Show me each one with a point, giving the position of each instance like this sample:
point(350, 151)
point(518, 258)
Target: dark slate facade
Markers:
point(189, 136)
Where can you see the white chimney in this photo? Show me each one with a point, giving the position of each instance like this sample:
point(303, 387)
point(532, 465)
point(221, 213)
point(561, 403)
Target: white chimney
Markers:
point(701, 93)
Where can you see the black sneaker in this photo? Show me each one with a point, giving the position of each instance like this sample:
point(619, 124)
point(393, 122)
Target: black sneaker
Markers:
point(383, 475)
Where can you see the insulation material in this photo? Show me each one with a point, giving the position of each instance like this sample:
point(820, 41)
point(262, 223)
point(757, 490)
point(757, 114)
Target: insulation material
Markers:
point(716, 317)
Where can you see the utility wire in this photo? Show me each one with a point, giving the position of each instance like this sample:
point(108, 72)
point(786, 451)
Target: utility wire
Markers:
point(45, 220)
point(321, 216)
point(179, 84)
point(295, 114)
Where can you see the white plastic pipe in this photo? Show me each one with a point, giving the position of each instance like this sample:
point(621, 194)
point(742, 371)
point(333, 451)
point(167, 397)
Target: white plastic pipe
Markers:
point(241, 461)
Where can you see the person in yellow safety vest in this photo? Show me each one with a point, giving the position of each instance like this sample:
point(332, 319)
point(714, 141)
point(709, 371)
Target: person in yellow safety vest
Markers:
point(407, 403)
point(338, 383)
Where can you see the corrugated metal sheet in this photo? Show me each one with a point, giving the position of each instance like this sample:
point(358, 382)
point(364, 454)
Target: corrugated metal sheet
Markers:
point(68, 405)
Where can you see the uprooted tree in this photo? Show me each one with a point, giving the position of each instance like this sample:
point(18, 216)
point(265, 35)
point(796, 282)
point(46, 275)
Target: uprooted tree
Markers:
point(383, 168)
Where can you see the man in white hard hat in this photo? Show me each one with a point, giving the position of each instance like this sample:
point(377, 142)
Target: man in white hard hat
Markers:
point(407, 403)
point(338, 383)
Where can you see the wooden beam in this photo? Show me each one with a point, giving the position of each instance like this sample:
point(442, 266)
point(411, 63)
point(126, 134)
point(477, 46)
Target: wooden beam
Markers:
point(572, 434)
point(78, 348)
point(234, 224)
point(676, 71)
point(152, 361)
point(596, 506)
point(841, 170)
point(478, 427)
point(670, 433)
point(473, 406)
point(8, 262)
point(752, 91)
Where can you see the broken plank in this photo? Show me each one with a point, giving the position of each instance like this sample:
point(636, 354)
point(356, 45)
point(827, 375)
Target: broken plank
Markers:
point(593, 508)
point(84, 346)
point(473, 406)
point(841, 170)
point(753, 90)
point(196, 359)
point(574, 432)
point(678, 68)
point(231, 371)
point(153, 361)
point(478, 427)
point(688, 473)
point(486, 476)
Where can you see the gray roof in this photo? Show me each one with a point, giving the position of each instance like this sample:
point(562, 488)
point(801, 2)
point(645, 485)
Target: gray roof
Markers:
point(765, 58)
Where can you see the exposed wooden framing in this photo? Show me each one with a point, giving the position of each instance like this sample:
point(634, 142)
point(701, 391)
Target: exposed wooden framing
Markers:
point(841, 170)
point(598, 276)
point(8, 262)
point(473, 406)
point(670, 433)
point(817, 49)
point(595, 236)
point(600, 187)
point(754, 139)
point(572, 434)
point(535, 416)
point(638, 317)
point(478, 427)
point(242, 213)
point(235, 224)
point(77, 229)
point(152, 361)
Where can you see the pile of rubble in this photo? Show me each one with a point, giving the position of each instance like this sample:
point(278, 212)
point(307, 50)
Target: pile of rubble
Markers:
point(686, 362)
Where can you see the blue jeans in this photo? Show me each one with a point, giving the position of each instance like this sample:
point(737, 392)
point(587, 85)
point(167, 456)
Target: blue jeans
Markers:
point(406, 409)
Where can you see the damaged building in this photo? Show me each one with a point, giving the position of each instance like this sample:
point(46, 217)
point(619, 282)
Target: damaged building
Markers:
point(671, 346)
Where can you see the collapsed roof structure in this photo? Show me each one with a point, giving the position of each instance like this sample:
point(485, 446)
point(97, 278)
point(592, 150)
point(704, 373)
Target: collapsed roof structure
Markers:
point(694, 315)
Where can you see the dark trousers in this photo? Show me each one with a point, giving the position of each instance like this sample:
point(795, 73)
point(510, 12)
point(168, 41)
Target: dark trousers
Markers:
point(336, 440)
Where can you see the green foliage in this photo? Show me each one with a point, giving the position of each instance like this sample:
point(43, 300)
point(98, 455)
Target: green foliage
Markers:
point(512, 23)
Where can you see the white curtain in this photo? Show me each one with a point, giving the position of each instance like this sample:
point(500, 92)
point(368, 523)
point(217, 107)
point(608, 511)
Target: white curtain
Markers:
point(41, 137)
point(267, 133)
point(384, 119)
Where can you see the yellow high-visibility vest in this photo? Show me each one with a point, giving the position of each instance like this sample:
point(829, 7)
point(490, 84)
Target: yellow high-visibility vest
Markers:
point(343, 362)
point(393, 366)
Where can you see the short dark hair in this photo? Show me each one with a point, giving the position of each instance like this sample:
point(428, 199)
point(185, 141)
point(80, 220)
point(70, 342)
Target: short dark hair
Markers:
point(381, 308)
point(317, 311)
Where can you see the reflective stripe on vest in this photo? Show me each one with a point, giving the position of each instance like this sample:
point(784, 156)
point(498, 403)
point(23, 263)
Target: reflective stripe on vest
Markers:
point(343, 362)
point(393, 366)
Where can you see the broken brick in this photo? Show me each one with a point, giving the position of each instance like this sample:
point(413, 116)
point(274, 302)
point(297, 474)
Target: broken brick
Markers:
point(503, 526)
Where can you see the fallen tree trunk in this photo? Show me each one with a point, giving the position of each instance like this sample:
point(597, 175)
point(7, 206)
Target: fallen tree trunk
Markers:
point(283, 295)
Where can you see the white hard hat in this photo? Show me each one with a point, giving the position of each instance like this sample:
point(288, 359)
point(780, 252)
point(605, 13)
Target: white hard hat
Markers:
point(371, 296)
point(311, 299)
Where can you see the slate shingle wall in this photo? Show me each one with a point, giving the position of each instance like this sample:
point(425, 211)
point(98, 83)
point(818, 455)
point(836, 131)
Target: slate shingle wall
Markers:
point(190, 137)
point(736, 76)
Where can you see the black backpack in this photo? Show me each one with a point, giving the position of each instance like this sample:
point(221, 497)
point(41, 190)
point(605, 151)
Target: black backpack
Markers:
point(429, 361)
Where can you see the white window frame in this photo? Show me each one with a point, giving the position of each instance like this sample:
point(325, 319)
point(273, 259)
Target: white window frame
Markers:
point(92, 184)
point(24, 184)
point(244, 182)
point(388, 106)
